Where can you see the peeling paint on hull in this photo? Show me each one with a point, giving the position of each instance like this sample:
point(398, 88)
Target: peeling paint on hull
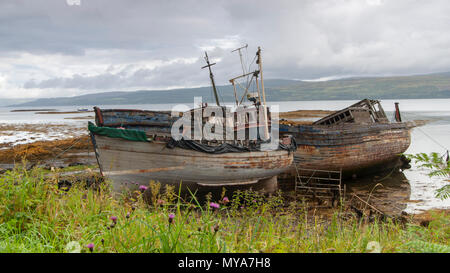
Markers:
point(128, 163)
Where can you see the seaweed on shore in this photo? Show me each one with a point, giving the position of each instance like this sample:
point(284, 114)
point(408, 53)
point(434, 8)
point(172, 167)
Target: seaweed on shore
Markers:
point(41, 150)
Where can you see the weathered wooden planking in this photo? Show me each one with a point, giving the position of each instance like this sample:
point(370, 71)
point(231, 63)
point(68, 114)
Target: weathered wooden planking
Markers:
point(129, 162)
point(129, 117)
point(160, 122)
point(351, 147)
point(320, 135)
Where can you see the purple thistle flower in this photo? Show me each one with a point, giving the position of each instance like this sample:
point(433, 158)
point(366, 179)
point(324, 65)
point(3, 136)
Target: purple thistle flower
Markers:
point(225, 200)
point(91, 247)
point(142, 188)
point(214, 205)
point(113, 218)
point(171, 217)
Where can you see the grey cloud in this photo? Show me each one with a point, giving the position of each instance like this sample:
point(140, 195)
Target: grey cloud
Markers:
point(177, 73)
point(55, 27)
point(300, 39)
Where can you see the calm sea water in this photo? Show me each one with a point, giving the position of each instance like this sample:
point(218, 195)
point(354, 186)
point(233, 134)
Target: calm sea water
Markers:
point(432, 137)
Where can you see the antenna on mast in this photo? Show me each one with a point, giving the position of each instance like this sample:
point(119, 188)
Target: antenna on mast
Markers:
point(244, 74)
point(240, 56)
point(211, 76)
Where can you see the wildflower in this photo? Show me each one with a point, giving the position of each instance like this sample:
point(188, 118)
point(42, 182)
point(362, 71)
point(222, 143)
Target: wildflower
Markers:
point(225, 200)
point(113, 225)
point(128, 215)
point(142, 188)
point(171, 216)
point(373, 247)
point(160, 202)
point(133, 208)
point(103, 241)
point(73, 247)
point(91, 247)
point(114, 219)
point(214, 205)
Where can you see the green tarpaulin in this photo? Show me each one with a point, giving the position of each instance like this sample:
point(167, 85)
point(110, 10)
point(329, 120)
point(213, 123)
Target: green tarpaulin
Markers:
point(133, 135)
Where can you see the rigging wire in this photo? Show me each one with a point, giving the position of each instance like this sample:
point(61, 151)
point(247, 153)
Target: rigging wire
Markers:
point(245, 61)
point(249, 66)
point(427, 135)
point(435, 141)
point(446, 152)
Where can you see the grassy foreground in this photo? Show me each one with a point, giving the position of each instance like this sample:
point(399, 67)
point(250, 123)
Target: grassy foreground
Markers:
point(37, 216)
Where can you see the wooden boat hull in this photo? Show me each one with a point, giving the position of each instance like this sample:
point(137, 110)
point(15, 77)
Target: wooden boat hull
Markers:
point(352, 148)
point(130, 164)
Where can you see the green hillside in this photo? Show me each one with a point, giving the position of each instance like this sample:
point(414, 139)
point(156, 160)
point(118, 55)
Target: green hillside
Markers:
point(405, 87)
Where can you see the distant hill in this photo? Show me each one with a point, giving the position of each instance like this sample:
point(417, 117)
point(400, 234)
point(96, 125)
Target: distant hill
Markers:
point(6, 102)
point(402, 87)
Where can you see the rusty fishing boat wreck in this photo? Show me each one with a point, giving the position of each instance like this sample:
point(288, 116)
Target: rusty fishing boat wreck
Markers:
point(133, 147)
point(356, 140)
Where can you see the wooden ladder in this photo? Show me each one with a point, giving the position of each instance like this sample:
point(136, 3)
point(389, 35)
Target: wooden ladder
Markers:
point(320, 185)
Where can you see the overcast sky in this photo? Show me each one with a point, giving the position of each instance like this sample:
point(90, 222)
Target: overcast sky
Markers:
point(59, 48)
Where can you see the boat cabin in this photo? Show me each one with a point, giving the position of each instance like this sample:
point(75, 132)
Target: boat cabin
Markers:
point(363, 112)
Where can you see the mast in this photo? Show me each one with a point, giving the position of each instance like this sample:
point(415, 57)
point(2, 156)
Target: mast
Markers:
point(259, 61)
point(244, 73)
point(211, 76)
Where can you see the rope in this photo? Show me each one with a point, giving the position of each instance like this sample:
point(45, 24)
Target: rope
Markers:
point(435, 141)
point(387, 176)
point(254, 58)
point(427, 135)
point(70, 147)
point(390, 205)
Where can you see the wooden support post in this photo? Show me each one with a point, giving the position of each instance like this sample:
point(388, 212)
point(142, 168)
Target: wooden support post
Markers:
point(398, 117)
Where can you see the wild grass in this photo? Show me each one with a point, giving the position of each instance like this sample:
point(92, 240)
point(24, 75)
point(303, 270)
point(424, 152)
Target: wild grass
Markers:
point(37, 216)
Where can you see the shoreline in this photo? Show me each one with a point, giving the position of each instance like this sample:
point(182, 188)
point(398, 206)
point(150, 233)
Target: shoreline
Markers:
point(45, 145)
point(65, 145)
